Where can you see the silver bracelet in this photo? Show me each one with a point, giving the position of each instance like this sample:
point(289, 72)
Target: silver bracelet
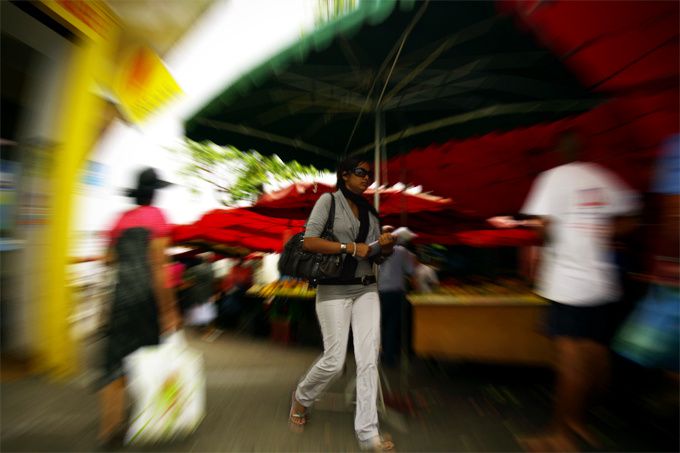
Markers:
point(343, 248)
point(354, 252)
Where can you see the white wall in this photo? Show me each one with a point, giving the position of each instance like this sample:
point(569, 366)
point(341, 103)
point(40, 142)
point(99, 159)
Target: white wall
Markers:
point(232, 37)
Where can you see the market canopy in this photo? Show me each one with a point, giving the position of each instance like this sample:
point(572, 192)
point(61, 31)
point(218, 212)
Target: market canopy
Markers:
point(265, 226)
point(491, 175)
point(296, 201)
point(632, 58)
point(411, 73)
point(473, 60)
point(239, 229)
point(616, 47)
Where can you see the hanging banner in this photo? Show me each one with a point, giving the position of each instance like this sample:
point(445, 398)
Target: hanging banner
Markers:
point(93, 18)
point(143, 84)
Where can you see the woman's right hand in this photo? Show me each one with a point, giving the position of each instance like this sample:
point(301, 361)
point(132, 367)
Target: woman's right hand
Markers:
point(362, 250)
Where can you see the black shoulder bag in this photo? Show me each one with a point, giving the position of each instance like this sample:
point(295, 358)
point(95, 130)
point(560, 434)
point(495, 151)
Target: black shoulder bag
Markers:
point(298, 263)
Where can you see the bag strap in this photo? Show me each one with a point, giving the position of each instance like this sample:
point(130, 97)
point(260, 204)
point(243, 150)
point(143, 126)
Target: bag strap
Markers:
point(328, 228)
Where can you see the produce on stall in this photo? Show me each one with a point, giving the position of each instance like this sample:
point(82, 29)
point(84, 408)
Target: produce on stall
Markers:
point(283, 288)
point(479, 291)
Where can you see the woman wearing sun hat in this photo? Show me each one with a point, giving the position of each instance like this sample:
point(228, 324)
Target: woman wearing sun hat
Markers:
point(143, 305)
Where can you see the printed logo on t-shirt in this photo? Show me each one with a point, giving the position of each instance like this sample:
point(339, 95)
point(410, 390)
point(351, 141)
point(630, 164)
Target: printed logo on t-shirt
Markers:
point(591, 198)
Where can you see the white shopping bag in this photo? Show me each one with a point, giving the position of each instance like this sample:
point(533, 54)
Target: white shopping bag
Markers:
point(167, 387)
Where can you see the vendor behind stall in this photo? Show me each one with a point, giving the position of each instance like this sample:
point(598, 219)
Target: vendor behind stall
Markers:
point(232, 290)
point(393, 303)
point(198, 279)
point(425, 279)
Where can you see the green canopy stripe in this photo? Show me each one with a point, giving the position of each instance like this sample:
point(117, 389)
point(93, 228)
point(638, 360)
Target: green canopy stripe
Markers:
point(444, 70)
point(372, 12)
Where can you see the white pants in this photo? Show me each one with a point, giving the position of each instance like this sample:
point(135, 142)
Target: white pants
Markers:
point(335, 317)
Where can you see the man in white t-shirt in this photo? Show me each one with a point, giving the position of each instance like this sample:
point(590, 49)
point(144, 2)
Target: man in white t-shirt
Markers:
point(580, 208)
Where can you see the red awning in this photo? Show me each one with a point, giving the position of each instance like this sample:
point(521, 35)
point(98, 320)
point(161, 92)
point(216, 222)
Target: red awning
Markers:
point(297, 195)
point(266, 226)
point(626, 50)
point(239, 228)
point(492, 174)
point(296, 201)
point(498, 238)
point(620, 47)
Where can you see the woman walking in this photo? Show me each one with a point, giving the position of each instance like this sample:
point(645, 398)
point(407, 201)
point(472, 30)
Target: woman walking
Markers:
point(143, 304)
point(349, 300)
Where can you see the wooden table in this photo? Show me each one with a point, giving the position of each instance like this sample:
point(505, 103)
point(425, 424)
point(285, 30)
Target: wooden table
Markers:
point(503, 328)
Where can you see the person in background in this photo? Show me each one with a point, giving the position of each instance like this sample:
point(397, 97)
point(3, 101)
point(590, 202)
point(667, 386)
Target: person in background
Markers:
point(349, 300)
point(651, 335)
point(392, 287)
point(239, 278)
point(200, 294)
point(580, 209)
point(425, 279)
point(143, 305)
point(233, 289)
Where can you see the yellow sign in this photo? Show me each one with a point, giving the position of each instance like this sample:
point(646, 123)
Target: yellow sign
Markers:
point(143, 84)
point(93, 18)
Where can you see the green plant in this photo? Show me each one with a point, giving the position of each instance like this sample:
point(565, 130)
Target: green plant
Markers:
point(328, 10)
point(238, 175)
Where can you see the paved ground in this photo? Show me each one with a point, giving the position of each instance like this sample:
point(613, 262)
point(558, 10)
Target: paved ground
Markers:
point(455, 407)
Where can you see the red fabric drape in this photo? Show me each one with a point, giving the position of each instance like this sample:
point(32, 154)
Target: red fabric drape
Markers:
point(625, 50)
point(239, 228)
point(297, 200)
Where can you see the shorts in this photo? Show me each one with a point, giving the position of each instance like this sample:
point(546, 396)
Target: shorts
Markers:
point(592, 322)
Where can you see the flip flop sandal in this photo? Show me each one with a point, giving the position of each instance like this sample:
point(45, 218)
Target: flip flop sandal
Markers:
point(378, 443)
point(296, 420)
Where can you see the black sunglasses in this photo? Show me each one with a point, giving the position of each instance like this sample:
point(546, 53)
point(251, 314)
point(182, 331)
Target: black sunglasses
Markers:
point(362, 172)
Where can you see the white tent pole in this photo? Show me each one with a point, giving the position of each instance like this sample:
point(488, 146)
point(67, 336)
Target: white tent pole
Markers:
point(376, 161)
point(383, 152)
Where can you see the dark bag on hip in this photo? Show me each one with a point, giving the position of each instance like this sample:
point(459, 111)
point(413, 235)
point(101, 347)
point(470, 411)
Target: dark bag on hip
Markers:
point(296, 262)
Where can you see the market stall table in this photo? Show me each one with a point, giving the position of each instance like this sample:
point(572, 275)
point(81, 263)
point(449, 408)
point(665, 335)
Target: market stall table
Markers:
point(497, 328)
point(290, 311)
